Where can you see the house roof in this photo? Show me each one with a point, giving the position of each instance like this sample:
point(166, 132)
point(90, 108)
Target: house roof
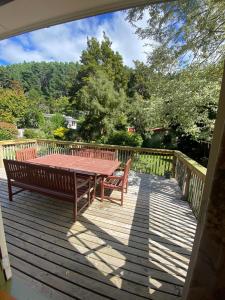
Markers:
point(19, 16)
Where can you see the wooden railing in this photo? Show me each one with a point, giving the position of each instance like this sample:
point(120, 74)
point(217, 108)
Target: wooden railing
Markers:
point(145, 160)
point(189, 174)
point(8, 148)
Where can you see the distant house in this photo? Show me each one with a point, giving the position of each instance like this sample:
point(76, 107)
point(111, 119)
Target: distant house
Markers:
point(131, 129)
point(71, 122)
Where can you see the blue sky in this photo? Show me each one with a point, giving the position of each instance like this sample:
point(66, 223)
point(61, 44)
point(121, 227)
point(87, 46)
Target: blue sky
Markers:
point(65, 42)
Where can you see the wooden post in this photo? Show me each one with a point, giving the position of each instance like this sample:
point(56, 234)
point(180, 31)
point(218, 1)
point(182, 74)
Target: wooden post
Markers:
point(206, 274)
point(1, 157)
point(187, 184)
point(174, 162)
point(3, 251)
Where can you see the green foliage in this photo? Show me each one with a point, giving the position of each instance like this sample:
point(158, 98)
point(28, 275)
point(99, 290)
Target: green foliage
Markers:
point(100, 56)
point(33, 118)
point(100, 103)
point(60, 133)
point(30, 133)
point(125, 138)
point(61, 105)
point(48, 79)
point(185, 31)
point(71, 135)
point(161, 139)
point(8, 131)
point(57, 120)
point(99, 93)
point(145, 113)
point(139, 80)
point(188, 101)
point(13, 104)
point(49, 125)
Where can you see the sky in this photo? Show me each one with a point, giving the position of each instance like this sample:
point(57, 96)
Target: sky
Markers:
point(65, 42)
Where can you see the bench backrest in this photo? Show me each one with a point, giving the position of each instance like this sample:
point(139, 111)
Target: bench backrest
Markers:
point(25, 154)
point(94, 153)
point(58, 180)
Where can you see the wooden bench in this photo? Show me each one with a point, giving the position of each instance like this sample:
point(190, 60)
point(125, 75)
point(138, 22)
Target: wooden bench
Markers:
point(94, 153)
point(25, 154)
point(60, 183)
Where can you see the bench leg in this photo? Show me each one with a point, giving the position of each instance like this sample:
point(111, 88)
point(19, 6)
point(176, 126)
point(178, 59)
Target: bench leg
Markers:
point(89, 195)
point(10, 190)
point(94, 190)
point(102, 190)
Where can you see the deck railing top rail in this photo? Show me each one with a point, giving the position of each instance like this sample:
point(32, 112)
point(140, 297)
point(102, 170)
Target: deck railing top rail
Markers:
point(117, 147)
point(17, 142)
point(191, 164)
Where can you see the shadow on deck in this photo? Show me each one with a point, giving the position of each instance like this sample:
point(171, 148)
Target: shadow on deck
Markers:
point(137, 251)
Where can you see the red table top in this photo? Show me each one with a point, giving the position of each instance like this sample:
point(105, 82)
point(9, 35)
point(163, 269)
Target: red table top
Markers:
point(78, 163)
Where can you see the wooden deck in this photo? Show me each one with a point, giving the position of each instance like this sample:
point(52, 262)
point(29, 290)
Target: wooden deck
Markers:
point(138, 251)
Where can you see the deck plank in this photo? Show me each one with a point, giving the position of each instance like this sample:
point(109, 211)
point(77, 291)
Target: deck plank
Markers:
point(138, 251)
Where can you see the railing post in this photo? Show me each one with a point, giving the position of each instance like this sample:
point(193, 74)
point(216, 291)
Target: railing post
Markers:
point(4, 257)
point(1, 157)
point(117, 154)
point(187, 184)
point(174, 162)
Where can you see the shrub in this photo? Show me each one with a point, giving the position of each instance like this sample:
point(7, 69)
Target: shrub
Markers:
point(71, 135)
point(154, 141)
point(125, 138)
point(162, 139)
point(8, 131)
point(58, 121)
point(60, 133)
point(33, 133)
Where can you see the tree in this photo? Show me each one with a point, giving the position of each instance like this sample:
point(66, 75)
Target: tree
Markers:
point(100, 56)
point(13, 104)
point(100, 104)
point(47, 79)
point(32, 118)
point(139, 80)
point(98, 93)
point(185, 31)
point(61, 105)
point(190, 100)
point(145, 113)
point(58, 120)
point(8, 131)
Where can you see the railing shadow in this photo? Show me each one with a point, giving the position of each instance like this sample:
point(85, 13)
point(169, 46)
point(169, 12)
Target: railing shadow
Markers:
point(149, 257)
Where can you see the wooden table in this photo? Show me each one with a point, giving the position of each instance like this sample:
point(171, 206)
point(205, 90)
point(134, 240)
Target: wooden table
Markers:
point(97, 166)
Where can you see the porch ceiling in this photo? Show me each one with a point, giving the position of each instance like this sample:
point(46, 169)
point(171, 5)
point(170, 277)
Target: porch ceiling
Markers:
point(19, 16)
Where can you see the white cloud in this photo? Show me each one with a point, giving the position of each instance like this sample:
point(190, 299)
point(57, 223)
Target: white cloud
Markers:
point(65, 42)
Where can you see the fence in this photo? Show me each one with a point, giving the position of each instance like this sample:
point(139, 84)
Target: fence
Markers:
point(189, 174)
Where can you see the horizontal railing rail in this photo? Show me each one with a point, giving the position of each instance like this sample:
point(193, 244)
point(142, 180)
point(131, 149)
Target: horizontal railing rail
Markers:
point(163, 162)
